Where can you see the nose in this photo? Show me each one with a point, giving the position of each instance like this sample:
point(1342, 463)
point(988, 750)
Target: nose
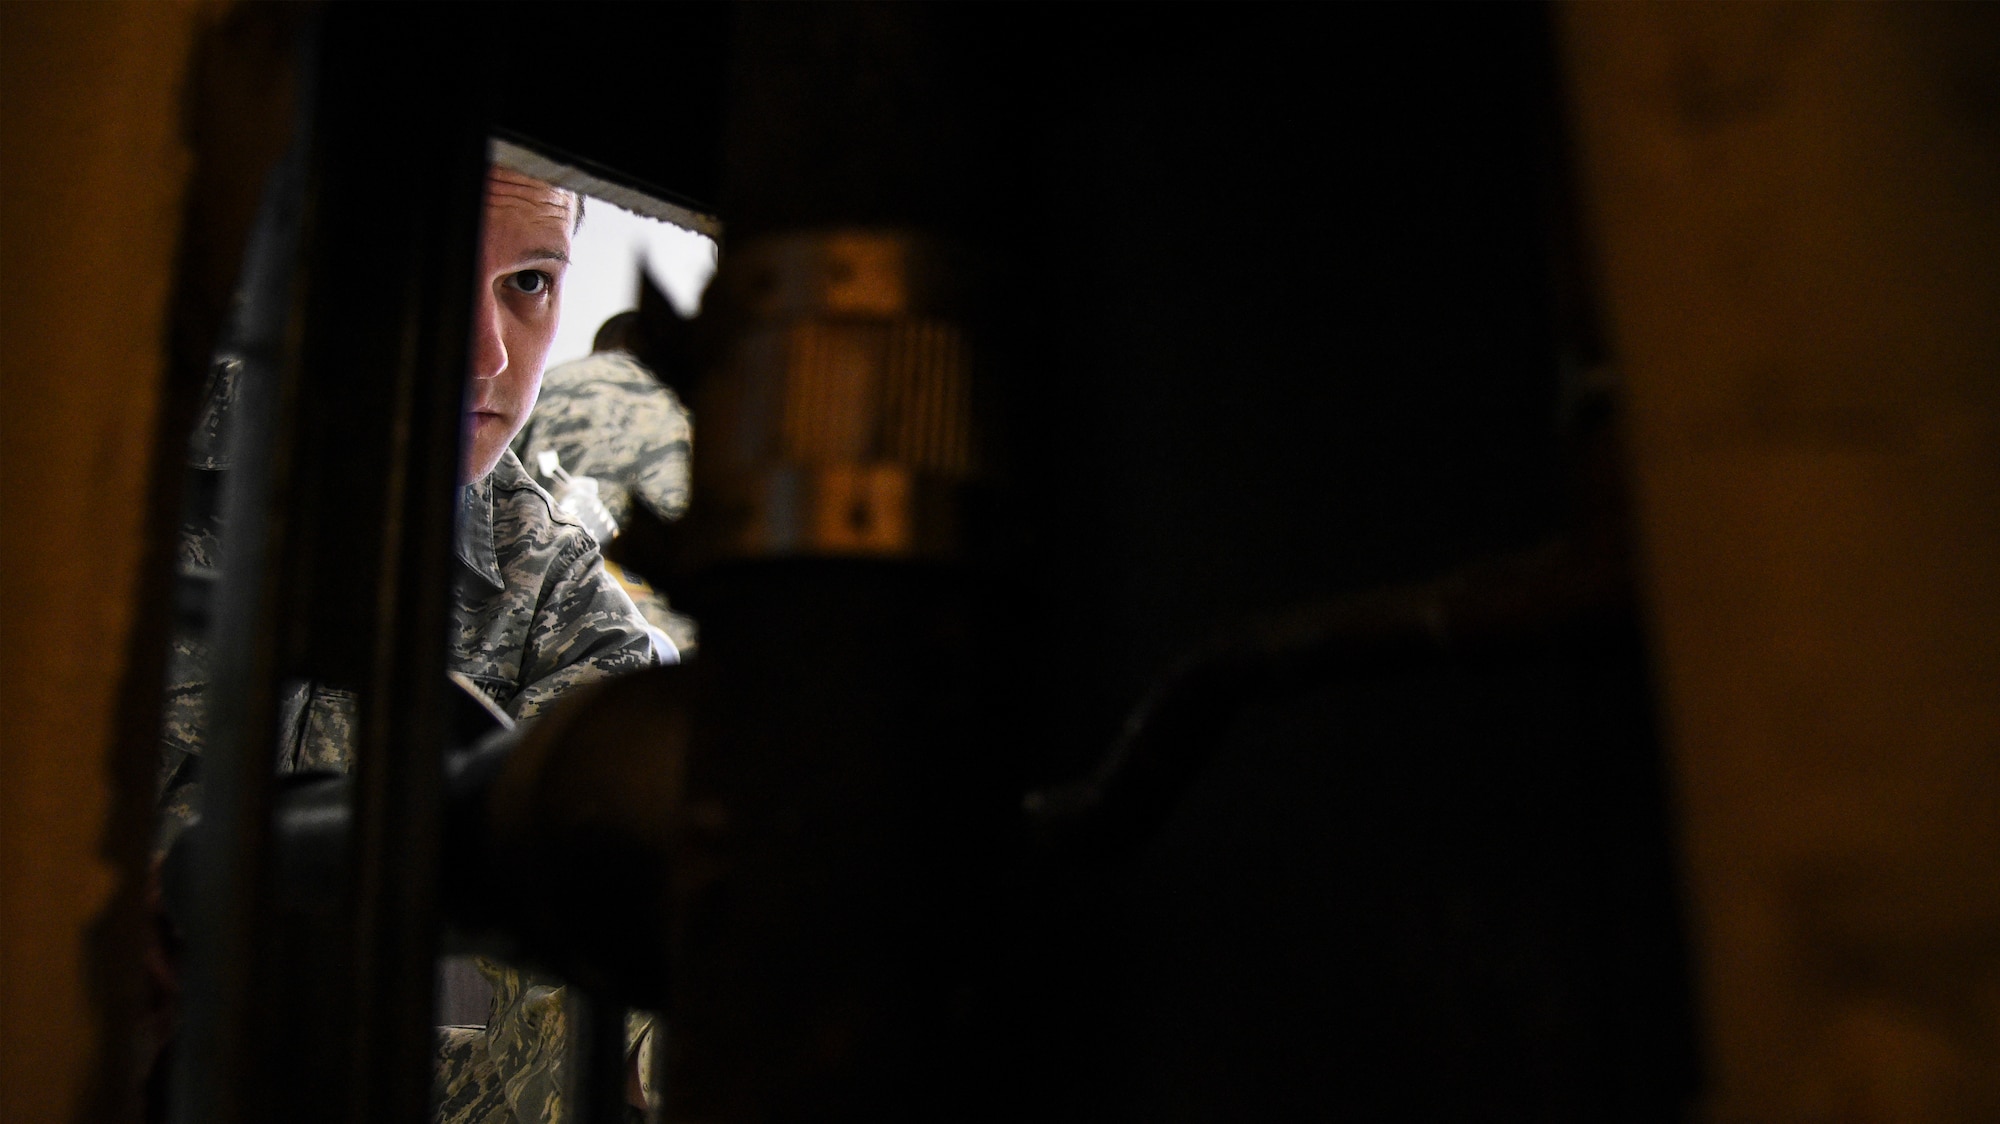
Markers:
point(489, 348)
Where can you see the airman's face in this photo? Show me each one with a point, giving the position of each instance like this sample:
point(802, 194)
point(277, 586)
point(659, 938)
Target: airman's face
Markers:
point(523, 256)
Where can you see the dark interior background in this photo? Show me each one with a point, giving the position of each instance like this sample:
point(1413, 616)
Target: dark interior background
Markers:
point(1275, 303)
point(1267, 293)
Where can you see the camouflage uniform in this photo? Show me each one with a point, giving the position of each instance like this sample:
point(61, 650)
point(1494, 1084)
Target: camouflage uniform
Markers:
point(534, 615)
point(606, 417)
point(609, 418)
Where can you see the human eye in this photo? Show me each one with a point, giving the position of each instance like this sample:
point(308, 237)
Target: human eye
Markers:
point(532, 282)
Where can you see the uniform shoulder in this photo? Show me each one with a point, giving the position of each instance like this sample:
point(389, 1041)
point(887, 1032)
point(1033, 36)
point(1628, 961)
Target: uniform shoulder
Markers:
point(597, 368)
point(601, 373)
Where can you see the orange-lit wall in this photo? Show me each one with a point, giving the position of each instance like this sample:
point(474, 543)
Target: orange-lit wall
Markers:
point(92, 166)
point(1798, 213)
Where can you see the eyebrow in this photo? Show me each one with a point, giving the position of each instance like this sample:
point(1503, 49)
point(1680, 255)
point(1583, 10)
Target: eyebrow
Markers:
point(544, 253)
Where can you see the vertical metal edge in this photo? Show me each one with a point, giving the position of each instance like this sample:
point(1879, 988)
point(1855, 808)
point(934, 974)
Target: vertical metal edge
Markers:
point(399, 763)
point(212, 1081)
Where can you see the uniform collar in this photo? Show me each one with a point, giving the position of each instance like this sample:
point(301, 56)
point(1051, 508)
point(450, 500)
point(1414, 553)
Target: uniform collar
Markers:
point(475, 531)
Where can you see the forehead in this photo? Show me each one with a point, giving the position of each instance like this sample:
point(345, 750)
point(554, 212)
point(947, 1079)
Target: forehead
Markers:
point(518, 204)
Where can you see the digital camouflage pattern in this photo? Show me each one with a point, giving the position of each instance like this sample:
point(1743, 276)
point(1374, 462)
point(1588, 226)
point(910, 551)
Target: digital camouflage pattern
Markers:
point(584, 628)
point(208, 445)
point(607, 417)
point(198, 555)
point(535, 614)
point(680, 631)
